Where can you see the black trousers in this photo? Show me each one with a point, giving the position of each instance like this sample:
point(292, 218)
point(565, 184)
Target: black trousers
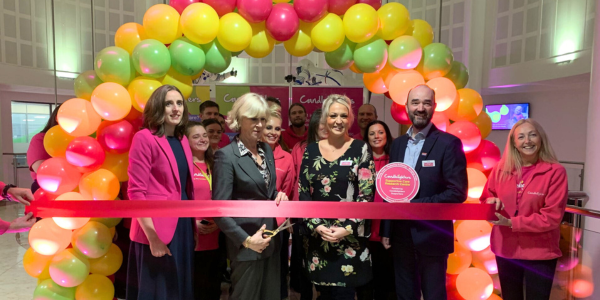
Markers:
point(416, 272)
point(336, 293)
point(284, 255)
point(535, 275)
point(382, 285)
point(299, 280)
point(256, 280)
point(207, 285)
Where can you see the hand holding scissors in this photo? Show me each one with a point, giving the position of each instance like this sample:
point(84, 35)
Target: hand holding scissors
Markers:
point(283, 226)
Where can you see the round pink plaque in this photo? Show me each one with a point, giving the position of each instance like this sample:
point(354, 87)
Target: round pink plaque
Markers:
point(397, 183)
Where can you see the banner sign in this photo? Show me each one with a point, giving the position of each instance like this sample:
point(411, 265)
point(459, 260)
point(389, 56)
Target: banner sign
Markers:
point(397, 183)
point(312, 98)
point(200, 93)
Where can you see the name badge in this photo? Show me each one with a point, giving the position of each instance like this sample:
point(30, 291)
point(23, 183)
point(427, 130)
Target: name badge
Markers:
point(428, 163)
point(346, 163)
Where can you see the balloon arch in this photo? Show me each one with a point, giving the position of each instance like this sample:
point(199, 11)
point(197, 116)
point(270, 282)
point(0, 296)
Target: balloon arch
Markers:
point(73, 258)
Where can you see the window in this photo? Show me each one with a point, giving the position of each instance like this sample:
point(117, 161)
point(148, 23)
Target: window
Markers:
point(27, 120)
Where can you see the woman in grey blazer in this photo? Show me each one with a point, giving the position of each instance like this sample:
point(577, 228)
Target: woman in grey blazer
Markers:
point(245, 170)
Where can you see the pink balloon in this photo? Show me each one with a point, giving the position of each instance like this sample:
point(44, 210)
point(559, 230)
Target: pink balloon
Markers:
point(283, 22)
point(339, 7)
point(439, 119)
point(468, 133)
point(399, 114)
point(255, 11)
point(115, 136)
point(375, 3)
point(85, 153)
point(180, 5)
point(311, 10)
point(485, 157)
point(222, 7)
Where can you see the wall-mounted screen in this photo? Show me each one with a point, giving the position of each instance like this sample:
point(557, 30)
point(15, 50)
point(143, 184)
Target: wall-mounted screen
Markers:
point(504, 116)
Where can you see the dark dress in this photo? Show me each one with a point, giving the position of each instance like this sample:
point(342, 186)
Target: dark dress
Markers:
point(167, 277)
point(350, 178)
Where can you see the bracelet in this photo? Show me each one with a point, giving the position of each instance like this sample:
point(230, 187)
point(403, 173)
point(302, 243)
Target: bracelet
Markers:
point(5, 191)
point(247, 242)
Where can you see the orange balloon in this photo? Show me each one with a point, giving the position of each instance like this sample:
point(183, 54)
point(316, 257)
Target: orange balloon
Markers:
point(467, 106)
point(56, 141)
point(354, 69)
point(474, 234)
point(77, 117)
point(468, 134)
point(140, 90)
point(57, 176)
point(109, 263)
point(117, 164)
point(47, 238)
point(161, 22)
point(111, 101)
point(485, 260)
point(459, 260)
point(445, 92)
point(582, 285)
point(35, 263)
point(440, 120)
point(129, 35)
point(374, 82)
point(477, 181)
point(70, 223)
point(474, 284)
point(484, 123)
point(402, 83)
point(99, 185)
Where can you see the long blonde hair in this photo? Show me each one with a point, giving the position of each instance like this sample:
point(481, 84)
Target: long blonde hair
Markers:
point(511, 159)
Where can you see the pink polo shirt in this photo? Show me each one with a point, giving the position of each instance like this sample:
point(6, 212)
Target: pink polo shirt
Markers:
point(36, 152)
point(224, 141)
point(203, 192)
point(291, 139)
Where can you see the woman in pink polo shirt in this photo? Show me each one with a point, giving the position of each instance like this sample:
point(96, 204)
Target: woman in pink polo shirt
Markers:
point(530, 187)
point(36, 153)
point(206, 260)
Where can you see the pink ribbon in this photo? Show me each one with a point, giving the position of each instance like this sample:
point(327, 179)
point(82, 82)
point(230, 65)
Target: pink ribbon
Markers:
point(252, 209)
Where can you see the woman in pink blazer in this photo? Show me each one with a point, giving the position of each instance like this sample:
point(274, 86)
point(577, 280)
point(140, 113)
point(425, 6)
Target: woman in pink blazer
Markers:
point(160, 161)
point(530, 186)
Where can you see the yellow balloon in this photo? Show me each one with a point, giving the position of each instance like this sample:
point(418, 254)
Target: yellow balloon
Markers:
point(140, 90)
point(301, 43)
point(261, 43)
point(281, 1)
point(109, 263)
point(484, 123)
point(395, 21)
point(97, 287)
point(161, 22)
point(182, 82)
point(361, 22)
point(35, 264)
point(194, 77)
point(129, 35)
point(200, 23)
point(235, 33)
point(328, 33)
point(117, 164)
point(422, 31)
point(56, 141)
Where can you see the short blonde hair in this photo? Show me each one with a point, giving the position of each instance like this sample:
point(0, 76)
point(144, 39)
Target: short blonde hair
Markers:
point(249, 105)
point(341, 99)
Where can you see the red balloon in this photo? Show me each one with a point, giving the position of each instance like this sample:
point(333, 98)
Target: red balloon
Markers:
point(375, 3)
point(468, 133)
point(255, 11)
point(180, 5)
point(222, 7)
point(339, 7)
point(283, 22)
point(136, 119)
point(85, 152)
point(57, 176)
point(41, 195)
point(311, 10)
point(115, 136)
point(399, 114)
point(485, 157)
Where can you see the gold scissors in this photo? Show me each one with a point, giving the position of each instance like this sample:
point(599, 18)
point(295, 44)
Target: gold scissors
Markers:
point(283, 226)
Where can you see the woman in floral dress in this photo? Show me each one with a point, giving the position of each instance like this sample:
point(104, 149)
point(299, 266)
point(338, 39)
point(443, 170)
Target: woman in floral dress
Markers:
point(338, 168)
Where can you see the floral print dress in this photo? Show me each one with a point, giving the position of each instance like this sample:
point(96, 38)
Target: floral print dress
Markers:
point(350, 178)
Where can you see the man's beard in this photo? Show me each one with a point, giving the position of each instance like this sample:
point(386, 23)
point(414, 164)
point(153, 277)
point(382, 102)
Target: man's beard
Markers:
point(298, 124)
point(419, 123)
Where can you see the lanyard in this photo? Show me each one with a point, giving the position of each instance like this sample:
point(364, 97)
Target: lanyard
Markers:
point(207, 176)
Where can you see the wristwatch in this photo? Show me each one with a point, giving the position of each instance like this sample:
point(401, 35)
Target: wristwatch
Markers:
point(5, 191)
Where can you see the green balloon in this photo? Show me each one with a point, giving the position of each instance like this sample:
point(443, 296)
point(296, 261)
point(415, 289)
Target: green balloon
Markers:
point(458, 74)
point(85, 84)
point(151, 58)
point(236, 54)
point(371, 56)
point(93, 239)
point(187, 57)
point(218, 58)
point(49, 290)
point(342, 57)
point(109, 222)
point(437, 60)
point(112, 64)
point(405, 52)
point(69, 268)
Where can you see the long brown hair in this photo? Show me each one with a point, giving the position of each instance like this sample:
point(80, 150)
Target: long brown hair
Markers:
point(209, 156)
point(52, 121)
point(511, 159)
point(154, 112)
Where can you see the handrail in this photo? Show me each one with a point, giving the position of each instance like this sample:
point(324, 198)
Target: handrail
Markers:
point(583, 211)
point(10, 153)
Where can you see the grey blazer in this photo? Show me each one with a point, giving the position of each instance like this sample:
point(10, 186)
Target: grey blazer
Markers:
point(236, 177)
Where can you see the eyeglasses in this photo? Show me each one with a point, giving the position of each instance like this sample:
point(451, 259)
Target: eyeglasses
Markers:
point(285, 225)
